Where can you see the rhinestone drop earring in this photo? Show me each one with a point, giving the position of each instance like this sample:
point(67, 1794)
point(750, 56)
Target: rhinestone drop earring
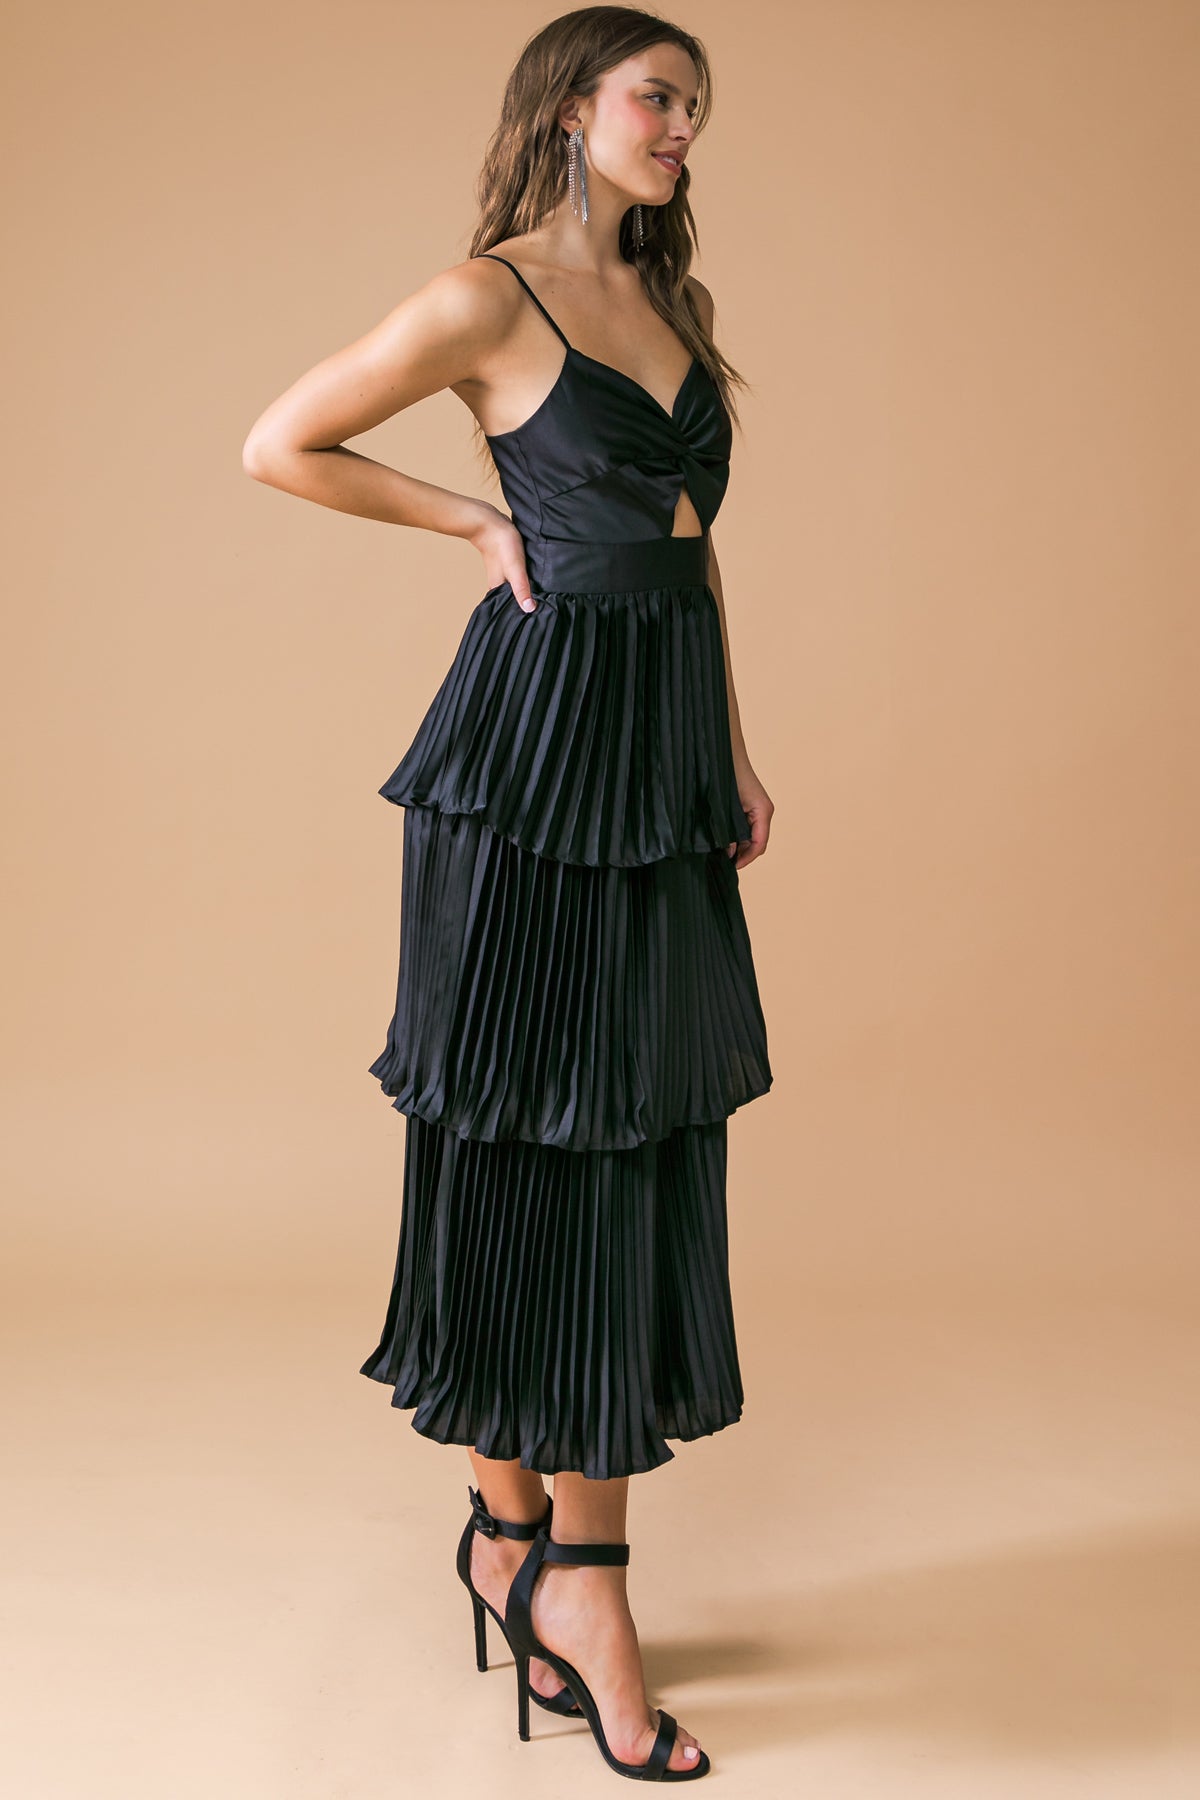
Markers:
point(577, 173)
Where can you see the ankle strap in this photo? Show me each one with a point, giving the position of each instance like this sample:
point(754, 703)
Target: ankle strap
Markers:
point(584, 1553)
point(490, 1526)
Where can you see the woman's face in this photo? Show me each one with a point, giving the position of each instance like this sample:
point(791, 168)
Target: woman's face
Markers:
point(637, 126)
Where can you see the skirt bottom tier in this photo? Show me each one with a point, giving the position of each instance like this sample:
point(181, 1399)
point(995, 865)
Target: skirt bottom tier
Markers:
point(567, 1309)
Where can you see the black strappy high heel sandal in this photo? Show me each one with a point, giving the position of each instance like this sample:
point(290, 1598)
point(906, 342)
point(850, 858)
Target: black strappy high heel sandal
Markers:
point(482, 1520)
point(525, 1643)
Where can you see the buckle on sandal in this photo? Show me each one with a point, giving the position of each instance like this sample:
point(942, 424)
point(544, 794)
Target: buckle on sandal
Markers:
point(481, 1517)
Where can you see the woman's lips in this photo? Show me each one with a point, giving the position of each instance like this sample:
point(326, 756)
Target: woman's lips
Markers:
point(661, 156)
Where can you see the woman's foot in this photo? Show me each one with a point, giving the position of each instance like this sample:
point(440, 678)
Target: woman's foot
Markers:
point(494, 1562)
point(581, 1611)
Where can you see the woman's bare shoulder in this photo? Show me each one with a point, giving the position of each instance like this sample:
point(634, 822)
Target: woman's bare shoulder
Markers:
point(473, 298)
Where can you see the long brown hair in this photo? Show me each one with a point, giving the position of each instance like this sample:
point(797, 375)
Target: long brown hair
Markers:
point(524, 173)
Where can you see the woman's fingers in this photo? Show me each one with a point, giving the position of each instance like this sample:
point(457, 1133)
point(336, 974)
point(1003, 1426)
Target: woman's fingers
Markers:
point(503, 550)
point(520, 587)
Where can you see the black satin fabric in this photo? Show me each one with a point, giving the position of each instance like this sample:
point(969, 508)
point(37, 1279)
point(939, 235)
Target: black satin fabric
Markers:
point(592, 730)
point(601, 458)
point(569, 1309)
point(592, 1008)
point(577, 1013)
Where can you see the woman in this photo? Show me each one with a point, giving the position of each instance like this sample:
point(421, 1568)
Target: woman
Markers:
point(577, 1013)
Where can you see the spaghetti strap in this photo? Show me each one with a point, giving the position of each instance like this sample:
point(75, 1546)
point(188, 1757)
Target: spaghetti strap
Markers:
point(528, 290)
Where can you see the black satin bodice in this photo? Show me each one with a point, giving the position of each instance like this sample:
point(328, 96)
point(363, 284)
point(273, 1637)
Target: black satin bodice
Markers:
point(602, 459)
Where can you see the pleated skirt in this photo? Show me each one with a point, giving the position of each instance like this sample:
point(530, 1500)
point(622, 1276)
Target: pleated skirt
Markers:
point(576, 1017)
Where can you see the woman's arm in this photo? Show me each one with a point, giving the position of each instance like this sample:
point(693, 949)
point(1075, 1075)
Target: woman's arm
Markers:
point(753, 795)
point(448, 332)
point(740, 759)
point(755, 800)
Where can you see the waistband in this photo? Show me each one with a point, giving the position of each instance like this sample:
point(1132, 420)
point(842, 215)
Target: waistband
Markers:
point(592, 566)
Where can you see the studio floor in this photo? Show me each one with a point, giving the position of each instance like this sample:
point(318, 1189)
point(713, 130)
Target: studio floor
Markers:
point(942, 1554)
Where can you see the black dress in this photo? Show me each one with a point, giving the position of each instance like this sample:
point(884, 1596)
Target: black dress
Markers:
point(577, 1012)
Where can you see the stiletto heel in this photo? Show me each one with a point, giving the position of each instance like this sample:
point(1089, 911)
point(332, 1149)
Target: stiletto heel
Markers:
point(523, 1698)
point(483, 1521)
point(518, 1619)
point(481, 1661)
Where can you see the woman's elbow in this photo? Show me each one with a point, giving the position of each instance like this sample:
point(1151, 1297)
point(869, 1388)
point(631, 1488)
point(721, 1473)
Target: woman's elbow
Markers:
point(260, 455)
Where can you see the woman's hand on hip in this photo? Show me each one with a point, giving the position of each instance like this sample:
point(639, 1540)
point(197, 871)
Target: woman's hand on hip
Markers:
point(503, 551)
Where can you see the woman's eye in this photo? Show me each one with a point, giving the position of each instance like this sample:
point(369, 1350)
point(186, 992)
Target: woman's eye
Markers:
point(666, 101)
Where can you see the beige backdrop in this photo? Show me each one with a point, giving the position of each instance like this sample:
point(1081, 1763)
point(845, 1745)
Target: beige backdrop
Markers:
point(953, 248)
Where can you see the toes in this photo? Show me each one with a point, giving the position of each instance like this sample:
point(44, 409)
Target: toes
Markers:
point(686, 1753)
point(680, 1758)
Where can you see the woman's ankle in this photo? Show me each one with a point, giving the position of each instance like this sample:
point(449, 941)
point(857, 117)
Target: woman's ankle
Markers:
point(512, 1493)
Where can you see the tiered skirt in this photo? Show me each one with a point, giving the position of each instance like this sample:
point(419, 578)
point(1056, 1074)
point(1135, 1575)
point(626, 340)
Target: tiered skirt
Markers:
point(576, 1017)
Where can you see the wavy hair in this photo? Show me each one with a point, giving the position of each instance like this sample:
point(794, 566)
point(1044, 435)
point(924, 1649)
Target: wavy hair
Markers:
point(524, 172)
